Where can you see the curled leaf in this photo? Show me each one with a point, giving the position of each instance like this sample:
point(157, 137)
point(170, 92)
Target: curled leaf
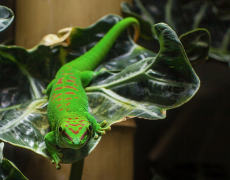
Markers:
point(6, 17)
point(52, 39)
point(196, 44)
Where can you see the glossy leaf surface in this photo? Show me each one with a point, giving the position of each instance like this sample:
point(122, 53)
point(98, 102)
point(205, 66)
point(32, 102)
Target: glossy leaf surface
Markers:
point(135, 82)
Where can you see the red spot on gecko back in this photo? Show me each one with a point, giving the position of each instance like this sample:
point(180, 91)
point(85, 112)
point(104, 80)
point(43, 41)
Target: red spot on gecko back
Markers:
point(68, 98)
point(76, 97)
point(73, 77)
point(59, 99)
point(56, 96)
point(53, 95)
point(58, 88)
point(67, 74)
point(70, 81)
point(82, 120)
point(60, 81)
point(76, 118)
point(58, 106)
point(69, 93)
point(60, 109)
point(70, 87)
point(67, 104)
point(75, 84)
point(69, 118)
point(67, 109)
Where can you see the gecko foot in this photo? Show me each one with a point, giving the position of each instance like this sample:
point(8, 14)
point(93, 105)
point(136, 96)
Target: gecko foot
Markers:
point(57, 159)
point(101, 129)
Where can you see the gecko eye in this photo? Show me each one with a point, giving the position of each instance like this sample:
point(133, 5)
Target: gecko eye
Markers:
point(90, 127)
point(60, 129)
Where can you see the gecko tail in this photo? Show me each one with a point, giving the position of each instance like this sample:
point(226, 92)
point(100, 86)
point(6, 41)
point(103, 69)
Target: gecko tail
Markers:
point(136, 32)
point(91, 59)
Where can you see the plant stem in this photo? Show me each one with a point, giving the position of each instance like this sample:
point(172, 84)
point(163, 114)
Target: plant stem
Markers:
point(11, 107)
point(76, 170)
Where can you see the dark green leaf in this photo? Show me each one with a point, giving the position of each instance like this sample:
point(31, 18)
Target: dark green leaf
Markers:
point(184, 16)
point(196, 44)
point(220, 55)
point(7, 169)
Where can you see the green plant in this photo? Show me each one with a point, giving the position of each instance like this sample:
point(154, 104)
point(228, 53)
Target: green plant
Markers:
point(137, 83)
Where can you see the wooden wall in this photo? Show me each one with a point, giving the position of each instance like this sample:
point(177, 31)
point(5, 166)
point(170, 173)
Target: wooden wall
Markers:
point(35, 19)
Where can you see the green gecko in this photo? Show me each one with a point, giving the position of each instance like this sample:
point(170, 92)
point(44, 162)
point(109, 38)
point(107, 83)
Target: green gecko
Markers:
point(71, 123)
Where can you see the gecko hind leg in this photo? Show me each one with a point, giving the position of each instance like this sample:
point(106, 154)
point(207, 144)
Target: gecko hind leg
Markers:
point(48, 89)
point(87, 76)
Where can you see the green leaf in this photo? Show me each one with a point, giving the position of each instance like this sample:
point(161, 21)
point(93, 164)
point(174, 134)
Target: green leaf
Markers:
point(147, 88)
point(6, 17)
point(1, 151)
point(26, 126)
point(136, 82)
point(7, 169)
point(220, 55)
point(196, 44)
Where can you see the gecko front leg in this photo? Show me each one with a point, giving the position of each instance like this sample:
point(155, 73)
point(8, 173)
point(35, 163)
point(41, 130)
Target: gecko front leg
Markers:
point(98, 128)
point(51, 145)
point(101, 129)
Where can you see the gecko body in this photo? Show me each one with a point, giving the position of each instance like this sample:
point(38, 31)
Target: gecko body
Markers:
point(71, 123)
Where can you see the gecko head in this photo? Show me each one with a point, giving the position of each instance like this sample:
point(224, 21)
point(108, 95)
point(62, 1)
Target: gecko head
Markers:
point(74, 134)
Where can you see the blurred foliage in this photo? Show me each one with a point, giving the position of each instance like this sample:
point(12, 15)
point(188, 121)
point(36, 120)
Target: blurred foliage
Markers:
point(184, 16)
